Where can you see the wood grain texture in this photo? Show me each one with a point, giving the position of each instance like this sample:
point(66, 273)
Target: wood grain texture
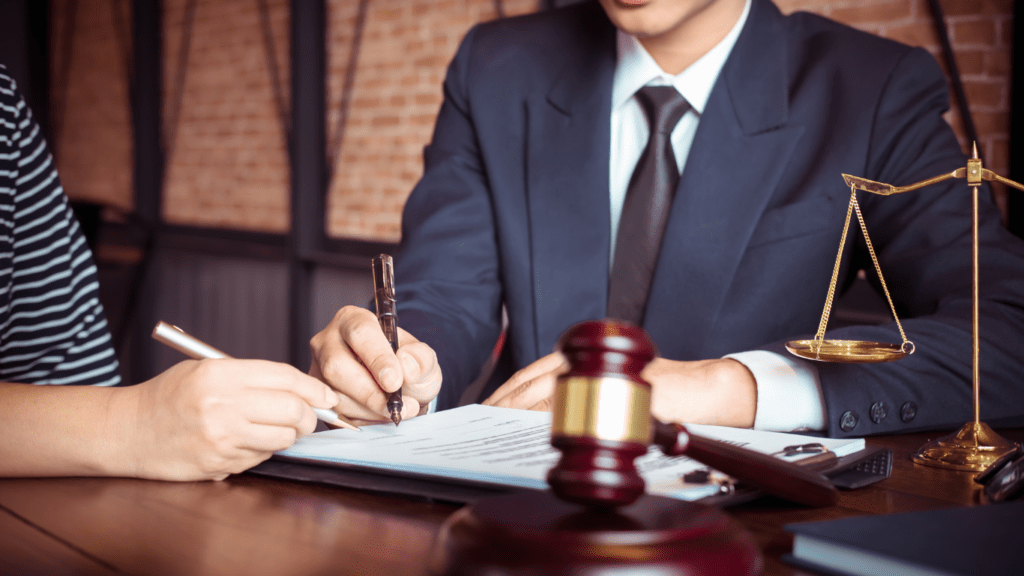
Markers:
point(255, 526)
point(25, 549)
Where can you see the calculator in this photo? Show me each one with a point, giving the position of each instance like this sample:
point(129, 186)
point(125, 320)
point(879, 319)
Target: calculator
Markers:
point(860, 468)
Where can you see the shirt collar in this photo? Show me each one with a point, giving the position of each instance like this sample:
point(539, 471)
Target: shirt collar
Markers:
point(636, 68)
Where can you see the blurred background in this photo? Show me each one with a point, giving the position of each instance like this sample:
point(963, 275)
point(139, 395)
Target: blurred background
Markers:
point(236, 163)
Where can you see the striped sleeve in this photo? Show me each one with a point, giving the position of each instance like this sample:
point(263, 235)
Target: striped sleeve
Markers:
point(52, 326)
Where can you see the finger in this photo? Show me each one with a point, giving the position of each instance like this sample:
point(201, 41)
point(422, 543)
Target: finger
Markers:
point(545, 405)
point(549, 363)
point(266, 438)
point(361, 333)
point(356, 410)
point(266, 375)
point(357, 393)
point(422, 373)
point(278, 408)
point(529, 393)
point(410, 407)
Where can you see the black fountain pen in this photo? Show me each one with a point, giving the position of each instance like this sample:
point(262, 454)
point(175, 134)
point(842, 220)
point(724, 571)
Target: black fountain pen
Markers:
point(384, 301)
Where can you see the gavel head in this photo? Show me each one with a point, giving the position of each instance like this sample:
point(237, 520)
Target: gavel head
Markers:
point(601, 417)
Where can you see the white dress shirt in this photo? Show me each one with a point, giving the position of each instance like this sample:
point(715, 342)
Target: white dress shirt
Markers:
point(788, 390)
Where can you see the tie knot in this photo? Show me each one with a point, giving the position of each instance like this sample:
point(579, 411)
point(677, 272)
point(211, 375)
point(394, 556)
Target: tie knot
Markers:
point(663, 105)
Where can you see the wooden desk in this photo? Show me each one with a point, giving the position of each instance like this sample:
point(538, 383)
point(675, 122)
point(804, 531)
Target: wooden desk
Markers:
point(255, 526)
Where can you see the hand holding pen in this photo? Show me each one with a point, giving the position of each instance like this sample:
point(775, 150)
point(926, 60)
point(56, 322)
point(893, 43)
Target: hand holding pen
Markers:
point(358, 354)
point(194, 348)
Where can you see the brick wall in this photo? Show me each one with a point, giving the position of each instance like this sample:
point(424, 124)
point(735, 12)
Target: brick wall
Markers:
point(981, 34)
point(406, 47)
point(228, 165)
point(228, 162)
point(92, 132)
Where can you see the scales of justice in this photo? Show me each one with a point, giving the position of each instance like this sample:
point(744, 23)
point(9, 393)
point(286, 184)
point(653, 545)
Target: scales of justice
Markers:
point(975, 446)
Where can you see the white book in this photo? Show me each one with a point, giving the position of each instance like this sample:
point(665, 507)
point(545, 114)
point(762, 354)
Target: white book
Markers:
point(509, 447)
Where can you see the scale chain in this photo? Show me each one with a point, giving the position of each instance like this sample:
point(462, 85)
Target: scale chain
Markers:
point(878, 268)
point(820, 336)
point(854, 206)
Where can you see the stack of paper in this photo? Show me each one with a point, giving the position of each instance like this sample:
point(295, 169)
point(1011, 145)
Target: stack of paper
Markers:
point(513, 448)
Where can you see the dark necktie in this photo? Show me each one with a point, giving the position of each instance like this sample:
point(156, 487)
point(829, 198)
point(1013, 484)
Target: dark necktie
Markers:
point(646, 208)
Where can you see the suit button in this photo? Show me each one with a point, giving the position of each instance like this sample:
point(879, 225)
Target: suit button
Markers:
point(908, 411)
point(878, 412)
point(848, 421)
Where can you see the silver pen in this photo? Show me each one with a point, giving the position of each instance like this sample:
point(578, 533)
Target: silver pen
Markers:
point(197, 349)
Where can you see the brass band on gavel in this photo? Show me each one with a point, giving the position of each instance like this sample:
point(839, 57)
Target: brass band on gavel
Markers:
point(601, 418)
point(617, 409)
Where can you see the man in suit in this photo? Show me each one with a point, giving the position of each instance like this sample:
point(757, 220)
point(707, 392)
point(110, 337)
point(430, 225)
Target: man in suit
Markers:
point(533, 153)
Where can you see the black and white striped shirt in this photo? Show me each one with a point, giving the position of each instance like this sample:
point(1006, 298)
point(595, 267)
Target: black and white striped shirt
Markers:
point(52, 326)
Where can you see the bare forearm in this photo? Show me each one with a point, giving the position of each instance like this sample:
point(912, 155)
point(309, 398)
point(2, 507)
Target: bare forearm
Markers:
point(65, 430)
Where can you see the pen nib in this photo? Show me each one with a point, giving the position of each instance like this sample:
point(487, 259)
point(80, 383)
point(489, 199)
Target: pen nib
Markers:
point(396, 417)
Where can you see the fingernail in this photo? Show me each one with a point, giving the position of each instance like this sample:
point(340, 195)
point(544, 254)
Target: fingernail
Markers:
point(389, 379)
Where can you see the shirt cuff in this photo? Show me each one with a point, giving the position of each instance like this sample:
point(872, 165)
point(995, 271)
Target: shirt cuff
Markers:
point(789, 397)
point(432, 407)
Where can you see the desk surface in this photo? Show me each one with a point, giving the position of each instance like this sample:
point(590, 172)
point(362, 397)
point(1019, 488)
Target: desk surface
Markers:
point(255, 526)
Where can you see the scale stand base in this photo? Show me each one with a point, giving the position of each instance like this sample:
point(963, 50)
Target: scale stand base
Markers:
point(974, 447)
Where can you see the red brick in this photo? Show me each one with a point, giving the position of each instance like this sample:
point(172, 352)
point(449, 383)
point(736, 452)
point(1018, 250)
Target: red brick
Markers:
point(970, 61)
point(887, 11)
point(974, 32)
point(998, 155)
point(998, 63)
point(983, 93)
point(918, 33)
point(991, 123)
point(1006, 32)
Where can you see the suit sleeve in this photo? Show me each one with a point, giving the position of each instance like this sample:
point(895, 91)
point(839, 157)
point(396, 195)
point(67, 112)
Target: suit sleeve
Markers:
point(447, 272)
point(923, 241)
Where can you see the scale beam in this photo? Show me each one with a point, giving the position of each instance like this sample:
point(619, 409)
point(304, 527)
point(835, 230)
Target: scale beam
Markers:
point(975, 446)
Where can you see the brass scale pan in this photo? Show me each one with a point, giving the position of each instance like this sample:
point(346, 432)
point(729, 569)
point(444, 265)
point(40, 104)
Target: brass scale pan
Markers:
point(853, 351)
point(849, 351)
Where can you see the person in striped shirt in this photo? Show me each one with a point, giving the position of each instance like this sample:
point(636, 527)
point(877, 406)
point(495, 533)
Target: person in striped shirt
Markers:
point(63, 410)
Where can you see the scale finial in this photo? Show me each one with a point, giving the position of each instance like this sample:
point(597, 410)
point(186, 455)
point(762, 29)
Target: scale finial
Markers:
point(975, 144)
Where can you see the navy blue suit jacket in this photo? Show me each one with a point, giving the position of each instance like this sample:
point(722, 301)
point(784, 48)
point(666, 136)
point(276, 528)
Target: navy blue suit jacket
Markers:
point(513, 209)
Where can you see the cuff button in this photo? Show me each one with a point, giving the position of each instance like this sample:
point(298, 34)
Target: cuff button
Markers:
point(878, 412)
point(908, 411)
point(848, 421)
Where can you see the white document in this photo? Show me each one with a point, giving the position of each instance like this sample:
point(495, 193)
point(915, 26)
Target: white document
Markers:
point(513, 448)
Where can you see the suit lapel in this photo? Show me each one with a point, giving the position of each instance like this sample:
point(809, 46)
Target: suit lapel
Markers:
point(567, 188)
point(742, 146)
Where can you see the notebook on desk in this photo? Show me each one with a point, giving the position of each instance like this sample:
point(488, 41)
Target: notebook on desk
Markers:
point(461, 454)
point(983, 540)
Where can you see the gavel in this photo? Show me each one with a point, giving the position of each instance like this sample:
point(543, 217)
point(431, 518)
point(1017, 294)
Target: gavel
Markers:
point(602, 422)
point(596, 520)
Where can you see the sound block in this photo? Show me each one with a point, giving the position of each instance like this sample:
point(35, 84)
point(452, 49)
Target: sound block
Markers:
point(535, 533)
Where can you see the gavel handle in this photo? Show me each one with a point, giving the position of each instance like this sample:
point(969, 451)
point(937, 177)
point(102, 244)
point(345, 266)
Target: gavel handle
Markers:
point(777, 477)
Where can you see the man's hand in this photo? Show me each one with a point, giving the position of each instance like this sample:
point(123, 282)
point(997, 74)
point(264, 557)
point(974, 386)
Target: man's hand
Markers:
point(352, 355)
point(533, 387)
point(721, 392)
point(205, 419)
